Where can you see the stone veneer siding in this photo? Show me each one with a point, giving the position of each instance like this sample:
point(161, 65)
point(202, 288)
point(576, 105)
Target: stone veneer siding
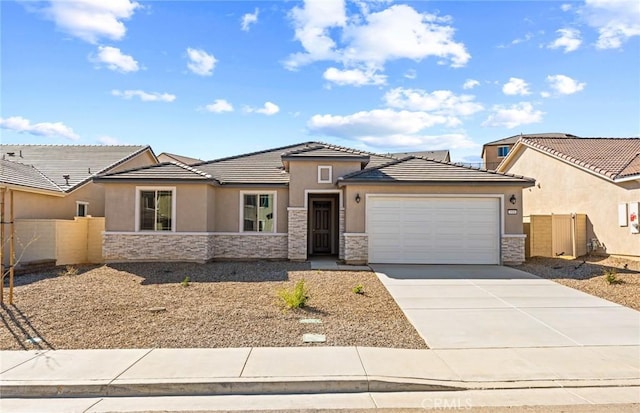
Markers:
point(356, 248)
point(341, 227)
point(513, 249)
point(156, 247)
point(249, 246)
point(297, 243)
point(192, 246)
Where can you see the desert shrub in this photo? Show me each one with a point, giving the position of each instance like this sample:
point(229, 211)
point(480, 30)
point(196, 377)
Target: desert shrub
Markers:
point(69, 270)
point(296, 297)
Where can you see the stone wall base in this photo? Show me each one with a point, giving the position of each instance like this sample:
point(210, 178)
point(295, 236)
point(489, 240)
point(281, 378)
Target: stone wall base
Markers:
point(513, 250)
point(356, 249)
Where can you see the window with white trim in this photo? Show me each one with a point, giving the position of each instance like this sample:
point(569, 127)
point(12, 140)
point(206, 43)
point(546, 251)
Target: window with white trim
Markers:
point(258, 212)
point(324, 174)
point(82, 209)
point(156, 209)
point(503, 151)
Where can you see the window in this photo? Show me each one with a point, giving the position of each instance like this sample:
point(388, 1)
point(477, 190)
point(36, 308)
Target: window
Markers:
point(258, 212)
point(156, 209)
point(82, 209)
point(324, 175)
point(503, 151)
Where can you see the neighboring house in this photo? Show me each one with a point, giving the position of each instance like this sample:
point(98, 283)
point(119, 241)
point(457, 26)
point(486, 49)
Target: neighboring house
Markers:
point(54, 181)
point(599, 177)
point(312, 199)
point(171, 157)
point(494, 152)
point(442, 155)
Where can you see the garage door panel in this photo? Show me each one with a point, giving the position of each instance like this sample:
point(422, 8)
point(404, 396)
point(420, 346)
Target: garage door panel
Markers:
point(433, 230)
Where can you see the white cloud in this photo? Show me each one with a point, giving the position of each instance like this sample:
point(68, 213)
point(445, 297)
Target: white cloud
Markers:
point(566, 7)
point(518, 40)
point(144, 96)
point(115, 60)
point(470, 84)
point(616, 21)
point(563, 85)
point(200, 62)
point(47, 129)
point(354, 77)
point(432, 142)
point(569, 40)
point(108, 140)
point(91, 20)
point(511, 116)
point(440, 102)
point(219, 106)
point(378, 122)
point(516, 86)
point(249, 19)
point(369, 40)
point(268, 109)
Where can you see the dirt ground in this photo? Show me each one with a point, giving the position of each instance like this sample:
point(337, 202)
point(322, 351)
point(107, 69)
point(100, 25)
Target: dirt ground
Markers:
point(224, 305)
point(588, 274)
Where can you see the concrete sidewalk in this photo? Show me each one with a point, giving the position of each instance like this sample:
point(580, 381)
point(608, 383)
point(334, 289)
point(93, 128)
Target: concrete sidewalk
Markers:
point(182, 372)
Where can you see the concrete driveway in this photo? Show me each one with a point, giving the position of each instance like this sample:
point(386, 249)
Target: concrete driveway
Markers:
point(485, 306)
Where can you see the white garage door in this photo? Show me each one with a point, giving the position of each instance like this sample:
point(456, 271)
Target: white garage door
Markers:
point(420, 230)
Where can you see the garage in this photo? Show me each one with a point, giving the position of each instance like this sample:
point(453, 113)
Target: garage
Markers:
point(433, 230)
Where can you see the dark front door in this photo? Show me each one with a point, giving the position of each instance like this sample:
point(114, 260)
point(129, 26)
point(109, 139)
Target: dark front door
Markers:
point(321, 234)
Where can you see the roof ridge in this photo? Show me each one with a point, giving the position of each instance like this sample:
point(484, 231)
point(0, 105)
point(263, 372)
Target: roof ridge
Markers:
point(393, 161)
point(228, 158)
point(618, 175)
point(191, 169)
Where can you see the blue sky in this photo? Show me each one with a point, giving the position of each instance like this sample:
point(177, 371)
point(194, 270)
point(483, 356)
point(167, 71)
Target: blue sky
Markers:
point(215, 78)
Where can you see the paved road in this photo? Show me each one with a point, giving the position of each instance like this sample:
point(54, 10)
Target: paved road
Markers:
point(484, 306)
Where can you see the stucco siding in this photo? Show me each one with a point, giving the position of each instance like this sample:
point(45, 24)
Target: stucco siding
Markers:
point(304, 176)
point(563, 188)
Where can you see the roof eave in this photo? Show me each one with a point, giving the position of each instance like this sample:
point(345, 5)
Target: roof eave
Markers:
point(30, 189)
point(630, 178)
point(522, 183)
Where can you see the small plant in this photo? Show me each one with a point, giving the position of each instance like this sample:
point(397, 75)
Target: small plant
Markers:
point(185, 282)
point(611, 276)
point(358, 289)
point(296, 297)
point(69, 270)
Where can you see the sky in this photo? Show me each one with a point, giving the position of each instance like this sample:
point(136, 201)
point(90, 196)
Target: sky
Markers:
point(209, 79)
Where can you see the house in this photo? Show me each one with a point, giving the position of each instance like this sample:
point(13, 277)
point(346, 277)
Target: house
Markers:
point(314, 198)
point(599, 177)
point(47, 190)
point(54, 181)
point(172, 157)
point(494, 152)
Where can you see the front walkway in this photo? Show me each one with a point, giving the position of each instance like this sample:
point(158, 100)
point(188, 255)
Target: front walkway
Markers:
point(476, 306)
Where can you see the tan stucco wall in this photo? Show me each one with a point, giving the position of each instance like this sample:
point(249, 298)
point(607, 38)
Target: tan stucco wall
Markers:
point(304, 175)
point(355, 212)
point(192, 213)
point(227, 208)
point(37, 206)
point(565, 189)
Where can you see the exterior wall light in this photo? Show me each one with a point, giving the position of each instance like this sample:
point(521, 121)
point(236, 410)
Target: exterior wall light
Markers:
point(357, 198)
point(512, 199)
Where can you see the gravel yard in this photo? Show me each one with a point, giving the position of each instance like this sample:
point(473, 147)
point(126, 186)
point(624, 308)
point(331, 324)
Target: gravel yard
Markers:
point(587, 274)
point(225, 305)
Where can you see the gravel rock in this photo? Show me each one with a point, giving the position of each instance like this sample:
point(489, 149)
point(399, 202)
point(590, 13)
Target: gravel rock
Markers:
point(587, 274)
point(226, 304)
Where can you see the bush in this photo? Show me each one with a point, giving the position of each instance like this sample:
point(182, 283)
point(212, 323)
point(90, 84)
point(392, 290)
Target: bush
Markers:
point(611, 276)
point(296, 297)
point(358, 289)
point(185, 282)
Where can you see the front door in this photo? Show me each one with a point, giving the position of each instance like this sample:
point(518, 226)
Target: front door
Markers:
point(321, 227)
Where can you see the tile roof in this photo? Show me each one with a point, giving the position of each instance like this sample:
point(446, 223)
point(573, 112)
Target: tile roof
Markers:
point(79, 162)
point(18, 174)
point(172, 157)
point(422, 170)
point(613, 158)
point(442, 155)
point(166, 171)
point(513, 139)
point(257, 168)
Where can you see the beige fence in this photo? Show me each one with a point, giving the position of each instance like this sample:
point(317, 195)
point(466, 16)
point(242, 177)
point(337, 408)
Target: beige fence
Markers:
point(76, 241)
point(556, 235)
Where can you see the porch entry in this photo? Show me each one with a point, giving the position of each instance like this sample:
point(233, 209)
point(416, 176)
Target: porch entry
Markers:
point(323, 224)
